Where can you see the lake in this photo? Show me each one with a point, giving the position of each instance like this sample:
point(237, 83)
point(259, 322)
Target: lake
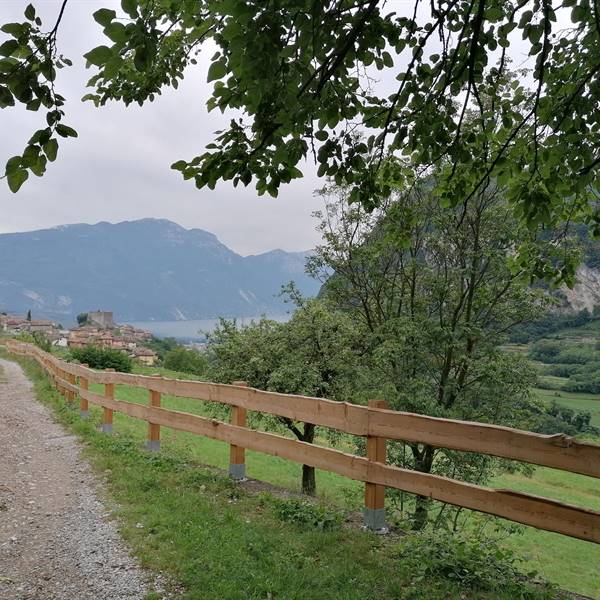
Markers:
point(194, 329)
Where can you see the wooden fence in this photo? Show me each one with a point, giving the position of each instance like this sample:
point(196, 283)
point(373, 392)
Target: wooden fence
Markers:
point(376, 423)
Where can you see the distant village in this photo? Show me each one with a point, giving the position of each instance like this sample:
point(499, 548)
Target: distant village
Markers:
point(97, 329)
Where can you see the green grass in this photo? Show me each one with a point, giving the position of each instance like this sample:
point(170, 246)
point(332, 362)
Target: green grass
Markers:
point(573, 400)
point(572, 564)
point(222, 543)
point(568, 562)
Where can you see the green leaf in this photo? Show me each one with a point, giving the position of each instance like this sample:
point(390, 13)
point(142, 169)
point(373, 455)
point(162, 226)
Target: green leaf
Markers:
point(217, 70)
point(6, 97)
point(31, 155)
point(8, 47)
point(142, 58)
point(99, 56)
point(13, 164)
point(104, 16)
point(39, 166)
point(179, 165)
point(65, 131)
point(117, 32)
point(34, 104)
point(130, 7)
point(14, 29)
point(30, 12)
point(41, 136)
point(51, 149)
point(16, 179)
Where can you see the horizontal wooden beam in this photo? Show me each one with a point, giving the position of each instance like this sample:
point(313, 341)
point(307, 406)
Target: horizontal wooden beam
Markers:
point(558, 451)
point(524, 508)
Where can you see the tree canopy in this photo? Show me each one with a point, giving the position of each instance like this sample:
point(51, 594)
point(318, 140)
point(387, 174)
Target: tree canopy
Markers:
point(364, 89)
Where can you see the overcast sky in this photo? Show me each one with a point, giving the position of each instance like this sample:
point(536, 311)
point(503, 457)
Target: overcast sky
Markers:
point(118, 168)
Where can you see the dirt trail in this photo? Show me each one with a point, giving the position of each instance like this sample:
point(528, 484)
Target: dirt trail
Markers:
point(57, 541)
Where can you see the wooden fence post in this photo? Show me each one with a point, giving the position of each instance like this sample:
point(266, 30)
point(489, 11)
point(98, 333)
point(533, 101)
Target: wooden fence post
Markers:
point(374, 513)
point(84, 409)
point(237, 454)
point(60, 374)
point(107, 417)
point(70, 393)
point(153, 428)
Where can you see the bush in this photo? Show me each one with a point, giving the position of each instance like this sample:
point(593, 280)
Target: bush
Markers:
point(303, 512)
point(558, 352)
point(576, 355)
point(545, 351)
point(37, 338)
point(162, 346)
point(557, 418)
point(103, 358)
point(477, 563)
point(560, 370)
point(186, 360)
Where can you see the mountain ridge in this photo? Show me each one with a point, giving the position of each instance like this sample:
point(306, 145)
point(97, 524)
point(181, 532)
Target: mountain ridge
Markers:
point(146, 269)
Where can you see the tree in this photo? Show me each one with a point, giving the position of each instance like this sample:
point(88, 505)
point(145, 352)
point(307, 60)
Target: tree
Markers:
point(432, 286)
point(162, 346)
point(102, 358)
point(300, 78)
point(313, 354)
point(186, 360)
point(28, 316)
point(82, 319)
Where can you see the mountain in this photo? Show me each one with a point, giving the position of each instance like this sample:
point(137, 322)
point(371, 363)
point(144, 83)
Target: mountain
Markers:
point(142, 270)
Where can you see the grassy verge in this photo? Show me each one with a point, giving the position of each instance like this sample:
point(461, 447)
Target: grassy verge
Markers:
point(220, 542)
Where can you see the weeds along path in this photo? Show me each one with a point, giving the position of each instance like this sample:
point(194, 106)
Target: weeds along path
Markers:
point(57, 541)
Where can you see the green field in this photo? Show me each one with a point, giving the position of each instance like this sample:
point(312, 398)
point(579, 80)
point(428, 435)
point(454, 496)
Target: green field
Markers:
point(571, 563)
point(573, 400)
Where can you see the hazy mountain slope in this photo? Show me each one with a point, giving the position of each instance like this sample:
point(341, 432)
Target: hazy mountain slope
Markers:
point(142, 270)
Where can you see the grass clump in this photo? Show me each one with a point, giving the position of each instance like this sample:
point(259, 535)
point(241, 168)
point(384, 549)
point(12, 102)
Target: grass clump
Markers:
point(305, 513)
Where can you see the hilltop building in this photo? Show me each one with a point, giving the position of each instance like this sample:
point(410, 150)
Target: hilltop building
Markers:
point(101, 318)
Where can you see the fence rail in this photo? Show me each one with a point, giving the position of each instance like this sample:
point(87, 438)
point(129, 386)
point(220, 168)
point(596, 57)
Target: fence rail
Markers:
point(375, 423)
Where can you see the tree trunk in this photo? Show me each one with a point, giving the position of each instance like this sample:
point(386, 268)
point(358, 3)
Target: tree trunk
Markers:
point(309, 483)
point(423, 464)
point(421, 514)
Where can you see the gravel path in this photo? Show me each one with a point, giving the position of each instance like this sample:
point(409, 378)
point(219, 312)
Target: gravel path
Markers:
point(57, 540)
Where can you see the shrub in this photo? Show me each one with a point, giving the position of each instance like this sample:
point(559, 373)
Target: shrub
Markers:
point(473, 562)
point(545, 350)
point(103, 358)
point(303, 512)
point(186, 360)
point(560, 370)
point(37, 338)
point(576, 355)
point(558, 418)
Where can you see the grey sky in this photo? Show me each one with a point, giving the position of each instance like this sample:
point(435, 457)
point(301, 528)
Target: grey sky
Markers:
point(118, 168)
